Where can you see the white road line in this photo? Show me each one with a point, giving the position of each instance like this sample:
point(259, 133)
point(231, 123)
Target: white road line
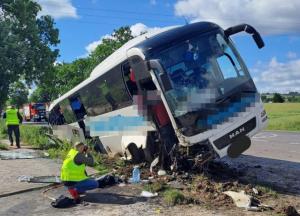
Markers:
point(294, 143)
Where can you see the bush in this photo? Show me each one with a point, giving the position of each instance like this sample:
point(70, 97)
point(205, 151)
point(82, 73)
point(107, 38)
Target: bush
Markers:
point(35, 136)
point(3, 129)
point(3, 147)
point(173, 197)
point(60, 151)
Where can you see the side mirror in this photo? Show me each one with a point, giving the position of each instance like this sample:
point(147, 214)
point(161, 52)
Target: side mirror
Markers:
point(163, 76)
point(250, 30)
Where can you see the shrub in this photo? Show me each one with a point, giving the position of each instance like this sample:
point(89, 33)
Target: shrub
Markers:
point(3, 129)
point(173, 197)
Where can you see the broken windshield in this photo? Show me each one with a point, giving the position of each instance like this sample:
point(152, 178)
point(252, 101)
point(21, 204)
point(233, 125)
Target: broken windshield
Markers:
point(202, 71)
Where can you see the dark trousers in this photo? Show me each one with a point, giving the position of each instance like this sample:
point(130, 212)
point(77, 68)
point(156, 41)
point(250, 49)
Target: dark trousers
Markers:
point(14, 129)
point(167, 139)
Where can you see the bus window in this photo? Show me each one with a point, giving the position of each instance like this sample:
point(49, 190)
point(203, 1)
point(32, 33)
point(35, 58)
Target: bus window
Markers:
point(56, 117)
point(67, 112)
point(78, 108)
point(105, 94)
point(128, 75)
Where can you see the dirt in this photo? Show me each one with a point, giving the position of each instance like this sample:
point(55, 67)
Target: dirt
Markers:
point(202, 188)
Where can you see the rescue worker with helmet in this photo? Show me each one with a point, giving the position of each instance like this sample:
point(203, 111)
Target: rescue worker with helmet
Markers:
point(13, 120)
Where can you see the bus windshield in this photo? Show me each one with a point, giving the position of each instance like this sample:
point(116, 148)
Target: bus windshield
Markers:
point(203, 71)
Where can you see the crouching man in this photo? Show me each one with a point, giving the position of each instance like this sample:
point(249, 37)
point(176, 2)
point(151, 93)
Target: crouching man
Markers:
point(73, 173)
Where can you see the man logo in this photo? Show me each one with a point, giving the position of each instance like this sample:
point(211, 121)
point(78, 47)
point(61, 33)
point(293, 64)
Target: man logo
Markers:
point(236, 133)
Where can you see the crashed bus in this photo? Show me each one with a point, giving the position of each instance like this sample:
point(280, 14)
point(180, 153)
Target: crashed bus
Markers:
point(205, 86)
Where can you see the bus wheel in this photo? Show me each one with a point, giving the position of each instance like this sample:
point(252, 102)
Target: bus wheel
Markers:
point(136, 154)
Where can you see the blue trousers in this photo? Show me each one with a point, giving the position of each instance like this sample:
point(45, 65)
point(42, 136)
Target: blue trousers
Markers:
point(88, 184)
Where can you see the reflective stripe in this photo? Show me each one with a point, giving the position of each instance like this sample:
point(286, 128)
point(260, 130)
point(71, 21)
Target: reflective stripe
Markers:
point(71, 171)
point(12, 117)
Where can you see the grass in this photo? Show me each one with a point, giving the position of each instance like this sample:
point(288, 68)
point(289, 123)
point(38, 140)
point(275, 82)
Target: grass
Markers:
point(155, 187)
point(3, 129)
point(3, 147)
point(283, 116)
point(267, 190)
point(173, 197)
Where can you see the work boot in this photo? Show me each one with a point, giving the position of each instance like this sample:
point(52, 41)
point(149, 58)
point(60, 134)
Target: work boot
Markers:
point(74, 194)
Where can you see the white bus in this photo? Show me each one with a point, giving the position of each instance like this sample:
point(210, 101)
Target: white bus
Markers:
point(205, 86)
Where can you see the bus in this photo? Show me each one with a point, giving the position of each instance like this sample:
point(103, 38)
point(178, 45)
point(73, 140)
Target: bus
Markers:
point(204, 84)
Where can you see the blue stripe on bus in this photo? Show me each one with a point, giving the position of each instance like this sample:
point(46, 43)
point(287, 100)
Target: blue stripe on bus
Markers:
point(117, 123)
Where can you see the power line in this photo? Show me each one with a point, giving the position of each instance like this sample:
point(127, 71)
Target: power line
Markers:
point(126, 11)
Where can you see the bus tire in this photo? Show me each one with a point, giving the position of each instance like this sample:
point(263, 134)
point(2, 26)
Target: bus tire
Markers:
point(137, 155)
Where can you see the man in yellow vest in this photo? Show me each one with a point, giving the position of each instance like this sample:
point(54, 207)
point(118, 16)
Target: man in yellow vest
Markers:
point(13, 119)
point(73, 173)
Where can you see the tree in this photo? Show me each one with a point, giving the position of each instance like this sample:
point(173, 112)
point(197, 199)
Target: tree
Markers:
point(26, 44)
point(18, 94)
point(277, 98)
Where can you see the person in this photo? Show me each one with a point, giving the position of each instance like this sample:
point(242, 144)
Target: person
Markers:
point(73, 173)
point(13, 119)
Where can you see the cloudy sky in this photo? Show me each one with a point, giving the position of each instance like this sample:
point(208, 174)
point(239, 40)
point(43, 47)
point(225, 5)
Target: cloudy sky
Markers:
point(83, 23)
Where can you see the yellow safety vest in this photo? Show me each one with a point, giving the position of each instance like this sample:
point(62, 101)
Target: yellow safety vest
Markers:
point(12, 117)
point(71, 171)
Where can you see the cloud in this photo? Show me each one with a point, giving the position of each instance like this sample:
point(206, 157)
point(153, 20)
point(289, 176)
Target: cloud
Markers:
point(58, 8)
point(136, 30)
point(291, 55)
point(92, 46)
point(269, 17)
point(277, 76)
point(139, 28)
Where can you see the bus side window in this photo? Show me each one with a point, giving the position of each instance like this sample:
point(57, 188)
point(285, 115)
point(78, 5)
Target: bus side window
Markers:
point(128, 75)
point(78, 108)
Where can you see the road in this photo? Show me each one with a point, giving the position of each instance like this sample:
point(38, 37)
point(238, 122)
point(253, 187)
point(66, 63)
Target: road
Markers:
point(276, 145)
point(272, 159)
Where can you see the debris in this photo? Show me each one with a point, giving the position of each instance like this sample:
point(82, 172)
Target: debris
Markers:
point(161, 173)
point(255, 191)
point(153, 164)
point(240, 199)
point(11, 155)
point(290, 211)
point(39, 179)
point(148, 194)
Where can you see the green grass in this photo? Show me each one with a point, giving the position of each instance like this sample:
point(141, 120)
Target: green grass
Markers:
point(267, 190)
point(173, 197)
point(3, 147)
point(3, 129)
point(283, 116)
point(155, 187)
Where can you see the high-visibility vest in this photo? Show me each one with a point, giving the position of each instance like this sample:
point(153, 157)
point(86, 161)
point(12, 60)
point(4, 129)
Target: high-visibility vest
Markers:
point(71, 171)
point(12, 117)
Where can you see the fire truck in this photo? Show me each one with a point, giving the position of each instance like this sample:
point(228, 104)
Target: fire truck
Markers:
point(34, 112)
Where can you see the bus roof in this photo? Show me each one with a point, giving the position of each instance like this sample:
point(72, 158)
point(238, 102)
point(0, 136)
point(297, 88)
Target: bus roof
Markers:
point(111, 61)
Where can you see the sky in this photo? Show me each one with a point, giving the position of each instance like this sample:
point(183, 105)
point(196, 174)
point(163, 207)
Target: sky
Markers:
point(275, 68)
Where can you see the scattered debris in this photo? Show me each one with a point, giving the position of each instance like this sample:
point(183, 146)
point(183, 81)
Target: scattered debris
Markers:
point(255, 191)
point(290, 211)
point(12, 155)
point(148, 194)
point(240, 199)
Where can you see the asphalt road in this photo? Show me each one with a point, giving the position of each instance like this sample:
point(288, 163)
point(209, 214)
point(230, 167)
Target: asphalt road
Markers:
point(276, 145)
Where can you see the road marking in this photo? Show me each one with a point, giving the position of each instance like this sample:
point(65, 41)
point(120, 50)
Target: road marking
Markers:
point(265, 135)
point(294, 143)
